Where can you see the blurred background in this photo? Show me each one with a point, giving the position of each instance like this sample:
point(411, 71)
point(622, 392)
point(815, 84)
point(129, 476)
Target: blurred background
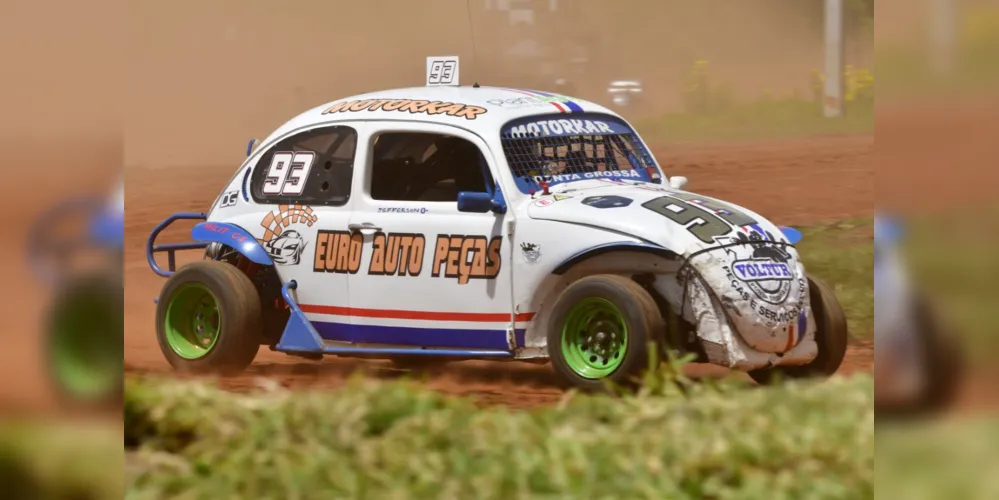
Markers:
point(241, 67)
point(166, 94)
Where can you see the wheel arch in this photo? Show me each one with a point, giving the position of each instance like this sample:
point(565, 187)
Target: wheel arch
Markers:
point(233, 236)
point(623, 246)
point(632, 260)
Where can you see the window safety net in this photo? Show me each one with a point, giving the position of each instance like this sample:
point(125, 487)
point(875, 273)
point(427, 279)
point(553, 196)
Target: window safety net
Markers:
point(569, 156)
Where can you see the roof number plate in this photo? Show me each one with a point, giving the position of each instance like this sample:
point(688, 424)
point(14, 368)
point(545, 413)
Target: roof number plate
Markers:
point(442, 71)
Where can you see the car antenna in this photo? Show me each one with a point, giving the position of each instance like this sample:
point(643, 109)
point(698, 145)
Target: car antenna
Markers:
point(471, 33)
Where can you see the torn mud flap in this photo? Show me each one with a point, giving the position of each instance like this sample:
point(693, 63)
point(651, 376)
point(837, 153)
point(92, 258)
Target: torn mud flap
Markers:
point(749, 304)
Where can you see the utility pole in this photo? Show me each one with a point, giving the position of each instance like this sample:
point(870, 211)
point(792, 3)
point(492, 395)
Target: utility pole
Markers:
point(832, 102)
point(943, 20)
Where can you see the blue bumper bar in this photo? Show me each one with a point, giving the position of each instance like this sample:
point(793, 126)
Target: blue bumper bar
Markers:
point(170, 248)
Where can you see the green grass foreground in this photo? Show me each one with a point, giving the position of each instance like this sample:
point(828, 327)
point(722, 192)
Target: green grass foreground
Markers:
point(61, 459)
point(842, 254)
point(399, 440)
point(948, 458)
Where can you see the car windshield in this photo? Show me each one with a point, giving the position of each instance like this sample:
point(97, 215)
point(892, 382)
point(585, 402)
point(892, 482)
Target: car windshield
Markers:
point(586, 146)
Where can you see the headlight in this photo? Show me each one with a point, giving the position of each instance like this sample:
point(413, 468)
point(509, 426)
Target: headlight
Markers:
point(212, 250)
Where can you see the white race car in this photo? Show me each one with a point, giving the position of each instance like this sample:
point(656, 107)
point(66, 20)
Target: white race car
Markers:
point(466, 222)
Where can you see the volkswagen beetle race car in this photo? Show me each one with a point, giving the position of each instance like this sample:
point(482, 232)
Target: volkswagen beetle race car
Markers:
point(471, 222)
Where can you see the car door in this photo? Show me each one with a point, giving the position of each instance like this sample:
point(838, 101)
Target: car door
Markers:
point(432, 275)
point(304, 183)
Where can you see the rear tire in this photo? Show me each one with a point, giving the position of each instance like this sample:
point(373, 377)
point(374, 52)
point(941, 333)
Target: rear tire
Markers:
point(208, 319)
point(831, 335)
point(600, 328)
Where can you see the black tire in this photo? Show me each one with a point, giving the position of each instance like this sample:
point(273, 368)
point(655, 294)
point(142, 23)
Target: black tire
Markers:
point(639, 312)
point(943, 360)
point(831, 335)
point(84, 352)
point(240, 324)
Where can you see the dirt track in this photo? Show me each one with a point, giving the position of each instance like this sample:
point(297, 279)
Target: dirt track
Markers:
point(791, 182)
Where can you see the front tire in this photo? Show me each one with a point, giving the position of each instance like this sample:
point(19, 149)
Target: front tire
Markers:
point(600, 328)
point(831, 335)
point(208, 319)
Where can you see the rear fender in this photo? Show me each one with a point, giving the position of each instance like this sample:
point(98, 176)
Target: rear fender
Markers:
point(233, 236)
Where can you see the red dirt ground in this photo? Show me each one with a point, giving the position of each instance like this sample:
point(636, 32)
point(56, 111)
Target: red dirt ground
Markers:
point(792, 182)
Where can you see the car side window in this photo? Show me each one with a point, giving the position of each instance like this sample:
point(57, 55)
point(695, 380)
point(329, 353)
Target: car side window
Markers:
point(314, 167)
point(421, 166)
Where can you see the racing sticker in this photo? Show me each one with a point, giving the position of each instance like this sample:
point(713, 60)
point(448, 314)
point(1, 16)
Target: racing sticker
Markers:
point(411, 106)
point(531, 252)
point(466, 257)
point(229, 199)
point(600, 174)
point(566, 127)
point(763, 273)
point(549, 201)
point(403, 210)
point(396, 254)
point(527, 101)
point(606, 201)
point(530, 101)
point(284, 245)
point(338, 252)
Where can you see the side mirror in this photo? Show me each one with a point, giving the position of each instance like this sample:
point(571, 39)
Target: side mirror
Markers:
point(677, 182)
point(471, 201)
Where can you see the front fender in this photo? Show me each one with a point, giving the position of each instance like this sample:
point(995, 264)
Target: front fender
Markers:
point(614, 247)
point(233, 236)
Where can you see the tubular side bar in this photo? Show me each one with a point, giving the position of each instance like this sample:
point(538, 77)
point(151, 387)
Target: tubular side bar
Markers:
point(301, 337)
point(171, 248)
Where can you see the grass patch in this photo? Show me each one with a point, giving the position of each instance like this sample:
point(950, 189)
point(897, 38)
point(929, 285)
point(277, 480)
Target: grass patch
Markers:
point(763, 120)
point(401, 440)
point(939, 459)
point(842, 254)
point(60, 460)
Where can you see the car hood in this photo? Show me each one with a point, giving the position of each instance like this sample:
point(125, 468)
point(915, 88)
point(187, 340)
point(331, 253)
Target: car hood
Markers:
point(639, 209)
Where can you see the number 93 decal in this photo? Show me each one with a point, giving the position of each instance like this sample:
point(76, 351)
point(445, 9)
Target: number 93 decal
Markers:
point(705, 218)
point(287, 173)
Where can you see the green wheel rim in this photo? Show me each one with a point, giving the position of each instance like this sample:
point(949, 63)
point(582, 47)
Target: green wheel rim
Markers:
point(192, 322)
point(594, 338)
point(85, 350)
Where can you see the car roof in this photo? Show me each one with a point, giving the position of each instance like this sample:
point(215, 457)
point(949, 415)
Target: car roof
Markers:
point(481, 109)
